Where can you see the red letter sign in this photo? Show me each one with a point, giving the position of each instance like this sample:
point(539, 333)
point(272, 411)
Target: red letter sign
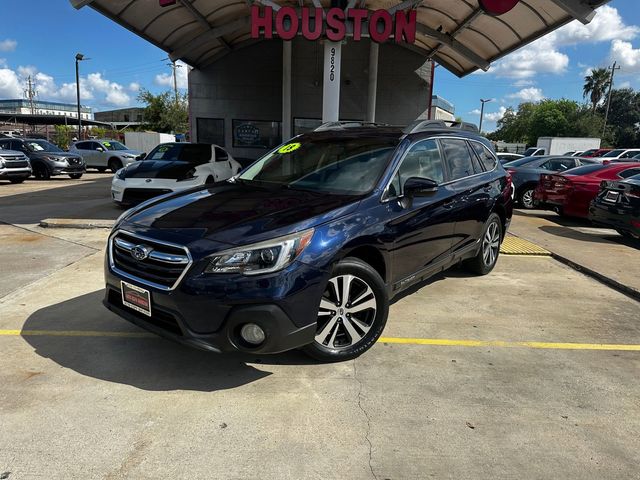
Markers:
point(406, 27)
point(306, 31)
point(387, 27)
point(281, 16)
point(258, 22)
point(335, 24)
point(358, 15)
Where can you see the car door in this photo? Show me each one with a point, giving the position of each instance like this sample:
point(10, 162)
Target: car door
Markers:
point(84, 150)
point(222, 164)
point(473, 190)
point(101, 154)
point(421, 228)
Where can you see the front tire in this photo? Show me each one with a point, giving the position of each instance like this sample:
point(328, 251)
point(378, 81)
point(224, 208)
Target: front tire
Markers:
point(17, 180)
point(115, 165)
point(76, 176)
point(352, 314)
point(41, 172)
point(487, 257)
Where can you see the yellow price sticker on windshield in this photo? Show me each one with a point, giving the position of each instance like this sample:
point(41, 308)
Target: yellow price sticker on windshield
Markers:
point(291, 147)
point(106, 144)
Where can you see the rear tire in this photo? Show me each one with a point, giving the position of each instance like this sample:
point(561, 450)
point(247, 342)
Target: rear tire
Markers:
point(352, 314)
point(75, 176)
point(487, 257)
point(210, 181)
point(17, 180)
point(526, 198)
point(115, 165)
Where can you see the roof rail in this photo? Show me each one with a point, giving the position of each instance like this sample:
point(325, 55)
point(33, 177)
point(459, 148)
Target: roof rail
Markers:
point(347, 124)
point(424, 125)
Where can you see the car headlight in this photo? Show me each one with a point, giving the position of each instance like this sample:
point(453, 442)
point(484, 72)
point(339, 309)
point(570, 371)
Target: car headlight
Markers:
point(120, 174)
point(190, 175)
point(259, 258)
point(129, 156)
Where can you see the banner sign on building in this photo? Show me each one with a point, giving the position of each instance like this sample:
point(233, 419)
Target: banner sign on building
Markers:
point(379, 25)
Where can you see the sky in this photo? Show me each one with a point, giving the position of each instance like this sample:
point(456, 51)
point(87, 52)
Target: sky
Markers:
point(44, 46)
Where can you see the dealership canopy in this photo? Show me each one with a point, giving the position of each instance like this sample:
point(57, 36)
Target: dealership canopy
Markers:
point(461, 35)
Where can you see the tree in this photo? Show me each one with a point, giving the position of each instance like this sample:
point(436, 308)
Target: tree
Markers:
point(62, 136)
point(596, 85)
point(163, 113)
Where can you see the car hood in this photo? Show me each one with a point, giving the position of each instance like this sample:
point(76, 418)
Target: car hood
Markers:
point(238, 214)
point(120, 152)
point(158, 169)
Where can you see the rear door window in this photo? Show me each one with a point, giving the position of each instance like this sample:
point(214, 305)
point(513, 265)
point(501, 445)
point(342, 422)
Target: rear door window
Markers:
point(458, 158)
point(221, 155)
point(486, 157)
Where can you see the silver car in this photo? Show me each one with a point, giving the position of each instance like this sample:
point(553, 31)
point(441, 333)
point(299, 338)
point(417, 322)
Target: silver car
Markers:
point(103, 154)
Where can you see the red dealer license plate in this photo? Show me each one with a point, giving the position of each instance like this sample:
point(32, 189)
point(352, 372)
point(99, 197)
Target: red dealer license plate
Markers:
point(136, 298)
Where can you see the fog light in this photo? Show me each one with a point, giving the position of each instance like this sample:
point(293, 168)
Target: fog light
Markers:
point(252, 333)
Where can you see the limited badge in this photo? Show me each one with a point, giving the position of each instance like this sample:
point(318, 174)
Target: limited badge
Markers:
point(291, 147)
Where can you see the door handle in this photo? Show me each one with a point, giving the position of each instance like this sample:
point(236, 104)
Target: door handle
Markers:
point(448, 203)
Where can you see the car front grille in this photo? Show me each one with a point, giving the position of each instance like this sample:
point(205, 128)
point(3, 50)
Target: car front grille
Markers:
point(74, 161)
point(150, 262)
point(138, 195)
point(15, 161)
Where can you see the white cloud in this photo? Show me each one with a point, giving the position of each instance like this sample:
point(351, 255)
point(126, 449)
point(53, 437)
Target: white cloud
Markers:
point(544, 56)
point(92, 87)
point(8, 45)
point(495, 116)
point(134, 86)
point(627, 57)
point(10, 84)
point(476, 112)
point(182, 77)
point(530, 94)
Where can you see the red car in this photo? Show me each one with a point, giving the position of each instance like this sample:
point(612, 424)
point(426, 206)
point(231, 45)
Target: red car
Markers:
point(571, 192)
point(595, 152)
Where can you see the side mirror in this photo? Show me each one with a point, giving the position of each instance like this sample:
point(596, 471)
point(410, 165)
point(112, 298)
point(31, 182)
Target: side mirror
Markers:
point(143, 156)
point(419, 187)
point(99, 149)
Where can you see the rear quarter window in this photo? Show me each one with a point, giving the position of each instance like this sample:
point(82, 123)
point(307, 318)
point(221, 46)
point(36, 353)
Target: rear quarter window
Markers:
point(459, 159)
point(486, 157)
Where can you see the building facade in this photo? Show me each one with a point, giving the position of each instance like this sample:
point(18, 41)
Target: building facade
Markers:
point(23, 106)
point(233, 107)
point(442, 109)
point(123, 117)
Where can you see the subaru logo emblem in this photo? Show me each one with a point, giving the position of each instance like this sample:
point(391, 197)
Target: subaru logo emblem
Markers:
point(140, 252)
point(148, 180)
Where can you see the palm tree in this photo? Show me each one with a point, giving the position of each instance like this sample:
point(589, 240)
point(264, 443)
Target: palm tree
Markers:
point(595, 85)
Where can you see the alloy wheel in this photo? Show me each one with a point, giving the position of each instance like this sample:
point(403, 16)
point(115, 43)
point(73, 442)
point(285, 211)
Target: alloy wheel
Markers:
point(347, 312)
point(527, 199)
point(491, 244)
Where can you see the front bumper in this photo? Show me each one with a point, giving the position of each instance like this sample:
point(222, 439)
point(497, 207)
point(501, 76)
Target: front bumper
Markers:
point(160, 185)
point(70, 170)
point(207, 312)
point(9, 173)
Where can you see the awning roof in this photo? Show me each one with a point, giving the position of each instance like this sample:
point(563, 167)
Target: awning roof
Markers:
point(455, 33)
point(28, 119)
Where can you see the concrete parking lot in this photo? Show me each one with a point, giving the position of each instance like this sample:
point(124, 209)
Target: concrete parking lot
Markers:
point(530, 372)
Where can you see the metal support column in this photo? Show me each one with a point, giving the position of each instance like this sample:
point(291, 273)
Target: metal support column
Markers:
point(331, 81)
point(372, 97)
point(286, 91)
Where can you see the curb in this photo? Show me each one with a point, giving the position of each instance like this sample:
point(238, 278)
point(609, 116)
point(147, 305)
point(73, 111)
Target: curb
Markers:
point(610, 282)
point(78, 223)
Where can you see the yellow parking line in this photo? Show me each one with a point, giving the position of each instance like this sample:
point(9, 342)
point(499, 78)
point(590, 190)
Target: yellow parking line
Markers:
point(442, 342)
point(503, 344)
point(73, 333)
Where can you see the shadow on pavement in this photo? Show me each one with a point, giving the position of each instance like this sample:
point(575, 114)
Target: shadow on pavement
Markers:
point(147, 363)
point(90, 198)
point(458, 271)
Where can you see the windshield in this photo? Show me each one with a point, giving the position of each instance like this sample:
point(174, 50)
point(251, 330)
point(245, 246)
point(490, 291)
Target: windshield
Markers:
point(184, 152)
point(112, 146)
point(348, 166)
point(613, 153)
point(521, 161)
point(42, 146)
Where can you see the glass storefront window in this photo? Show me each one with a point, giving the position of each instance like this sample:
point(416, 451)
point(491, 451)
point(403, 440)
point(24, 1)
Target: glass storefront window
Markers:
point(256, 134)
point(210, 130)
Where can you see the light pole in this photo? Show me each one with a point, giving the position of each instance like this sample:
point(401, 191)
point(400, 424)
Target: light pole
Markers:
point(79, 58)
point(482, 110)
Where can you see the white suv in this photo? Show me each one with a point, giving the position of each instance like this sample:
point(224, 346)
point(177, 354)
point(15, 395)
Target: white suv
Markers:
point(103, 154)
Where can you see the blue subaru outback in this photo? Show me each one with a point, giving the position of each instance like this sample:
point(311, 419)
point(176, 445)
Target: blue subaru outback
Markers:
point(308, 245)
